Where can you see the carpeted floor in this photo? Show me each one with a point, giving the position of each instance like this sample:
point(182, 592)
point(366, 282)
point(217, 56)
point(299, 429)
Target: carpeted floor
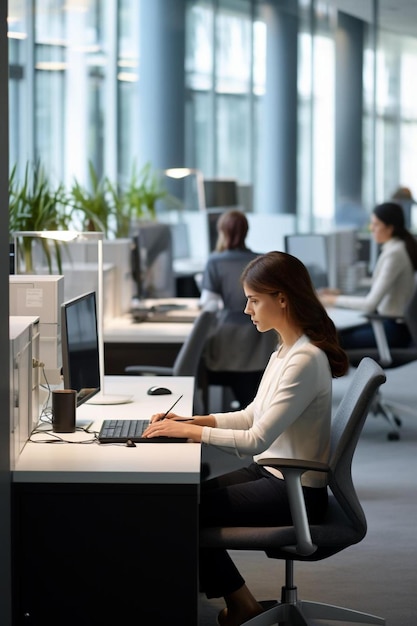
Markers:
point(379, 575)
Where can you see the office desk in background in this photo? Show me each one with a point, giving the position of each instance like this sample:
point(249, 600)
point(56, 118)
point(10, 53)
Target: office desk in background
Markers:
point(144, 343)
point(106, 534)
point(153, 343)
point(346, 318)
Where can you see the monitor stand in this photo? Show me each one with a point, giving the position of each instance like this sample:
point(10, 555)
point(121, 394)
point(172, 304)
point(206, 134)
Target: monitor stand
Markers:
point(104, 398)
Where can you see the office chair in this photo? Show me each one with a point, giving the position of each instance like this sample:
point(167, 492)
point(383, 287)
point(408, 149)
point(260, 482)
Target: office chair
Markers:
point(188, 359)
point(390, 358)
point(344, 523)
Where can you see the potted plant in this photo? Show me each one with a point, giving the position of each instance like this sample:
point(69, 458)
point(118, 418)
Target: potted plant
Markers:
point(35, 205)
point(92, 203)
point(138, 199)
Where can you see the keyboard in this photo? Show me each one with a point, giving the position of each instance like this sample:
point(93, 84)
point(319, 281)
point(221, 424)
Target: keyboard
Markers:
point(121, 431)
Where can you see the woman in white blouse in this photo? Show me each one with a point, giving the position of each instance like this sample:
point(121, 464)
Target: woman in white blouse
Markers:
point(289, 417)
point(392, 281)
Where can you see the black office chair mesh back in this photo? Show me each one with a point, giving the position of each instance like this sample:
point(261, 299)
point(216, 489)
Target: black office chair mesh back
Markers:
point(410, 315)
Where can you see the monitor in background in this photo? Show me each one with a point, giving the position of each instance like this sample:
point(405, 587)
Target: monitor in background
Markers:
point(152, 261)
point(80, 349)
point(11, 259)
point(212, 219)
point(311, 249)
point(221, 193)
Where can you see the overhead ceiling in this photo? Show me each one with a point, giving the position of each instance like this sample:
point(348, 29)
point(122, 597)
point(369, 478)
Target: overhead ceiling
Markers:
point(393, 15)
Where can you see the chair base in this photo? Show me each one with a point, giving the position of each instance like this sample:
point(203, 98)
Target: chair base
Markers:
point(300, 612)
point(380, 407)
point(390, 411)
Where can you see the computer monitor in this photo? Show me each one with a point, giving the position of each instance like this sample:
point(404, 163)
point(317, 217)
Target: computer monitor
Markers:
point(152, 261)
point(311, 249)
point(11, 259)
point(221, 193)
point(213, 216)
point(80, 350)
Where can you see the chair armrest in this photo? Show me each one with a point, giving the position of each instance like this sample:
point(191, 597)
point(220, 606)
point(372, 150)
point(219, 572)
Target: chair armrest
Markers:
point(143, 370)
point(376, 320)
point(381, 316)
point(299, 464)
point(292, 470)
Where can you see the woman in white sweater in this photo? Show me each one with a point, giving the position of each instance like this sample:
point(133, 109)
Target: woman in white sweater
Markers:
point(392, 281)
point(289, 417)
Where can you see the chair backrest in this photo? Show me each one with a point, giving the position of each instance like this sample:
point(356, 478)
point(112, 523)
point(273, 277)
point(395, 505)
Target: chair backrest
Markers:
point(410, 313)
point(347, 426)
point(188, 358)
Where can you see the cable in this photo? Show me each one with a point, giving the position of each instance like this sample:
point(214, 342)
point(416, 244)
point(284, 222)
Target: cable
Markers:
point(56, 438)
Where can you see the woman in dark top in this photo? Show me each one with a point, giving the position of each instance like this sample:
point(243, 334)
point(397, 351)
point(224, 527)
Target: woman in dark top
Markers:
point(236, 354)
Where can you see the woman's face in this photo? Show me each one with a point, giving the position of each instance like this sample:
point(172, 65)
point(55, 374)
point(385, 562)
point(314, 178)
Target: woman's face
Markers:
point(266, 310)
point(381, 232)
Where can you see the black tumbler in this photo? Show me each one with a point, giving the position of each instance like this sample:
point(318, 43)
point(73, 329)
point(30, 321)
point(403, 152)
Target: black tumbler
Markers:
point(64, 403)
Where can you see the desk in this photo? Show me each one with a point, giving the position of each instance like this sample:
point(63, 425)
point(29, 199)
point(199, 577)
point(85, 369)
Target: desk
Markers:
point(152, 343)
point(145, 343)
point(346, 318)
point(70, 499)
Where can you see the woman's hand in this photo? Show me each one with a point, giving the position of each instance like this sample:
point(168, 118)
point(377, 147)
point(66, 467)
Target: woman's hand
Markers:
point(170, 416)
point(327, 300)
point(170, 427)
point(327, 296)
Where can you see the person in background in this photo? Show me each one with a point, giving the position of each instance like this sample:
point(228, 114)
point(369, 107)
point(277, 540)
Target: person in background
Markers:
point(404, 197)
point(392, 281)
point(235, 355)
point(289, 417)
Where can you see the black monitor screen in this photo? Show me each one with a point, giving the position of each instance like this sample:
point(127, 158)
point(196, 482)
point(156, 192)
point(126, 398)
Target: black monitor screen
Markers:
point(220, 193)
point(11, 259)
point(213, 216)
point(80, 351)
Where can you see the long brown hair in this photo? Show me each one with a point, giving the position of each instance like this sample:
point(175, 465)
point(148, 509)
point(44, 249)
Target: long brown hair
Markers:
point(276, 272)
point(232, 228)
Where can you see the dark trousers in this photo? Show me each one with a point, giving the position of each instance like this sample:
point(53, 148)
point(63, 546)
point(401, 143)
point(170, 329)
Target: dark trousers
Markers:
point(250, 496)
point(398, 336)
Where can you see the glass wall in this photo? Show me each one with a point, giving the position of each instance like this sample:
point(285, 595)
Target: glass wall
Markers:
point(316, 123)
point(396, 117)
point(224, 61)
point(75, 94)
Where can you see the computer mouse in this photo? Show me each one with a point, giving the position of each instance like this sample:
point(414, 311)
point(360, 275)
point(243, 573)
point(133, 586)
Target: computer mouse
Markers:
point(158, 391)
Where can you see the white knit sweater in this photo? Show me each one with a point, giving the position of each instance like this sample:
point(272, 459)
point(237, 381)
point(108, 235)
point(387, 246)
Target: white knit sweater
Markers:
point(290, 415)
point(392, 283)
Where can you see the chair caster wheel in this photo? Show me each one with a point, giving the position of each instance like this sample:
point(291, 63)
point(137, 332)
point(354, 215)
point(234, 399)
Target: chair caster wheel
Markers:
point(393, 436)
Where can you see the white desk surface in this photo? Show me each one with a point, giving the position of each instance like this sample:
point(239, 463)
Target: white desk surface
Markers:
point(346, 318)
point(124, 330)
point(150, 463)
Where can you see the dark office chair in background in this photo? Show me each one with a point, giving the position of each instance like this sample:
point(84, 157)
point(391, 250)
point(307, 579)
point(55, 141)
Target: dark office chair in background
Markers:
point(390, 358)
point(188, 359)
point(343, 526)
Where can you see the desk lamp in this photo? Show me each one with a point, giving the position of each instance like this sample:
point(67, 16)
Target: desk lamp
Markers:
point(66, 236)
point(182, 172)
